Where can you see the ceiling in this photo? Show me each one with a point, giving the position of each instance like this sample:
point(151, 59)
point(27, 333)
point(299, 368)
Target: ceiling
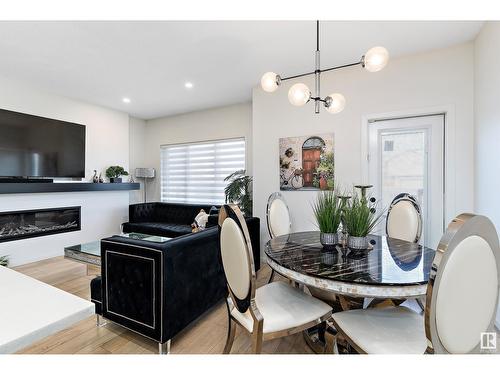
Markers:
point(149, 62)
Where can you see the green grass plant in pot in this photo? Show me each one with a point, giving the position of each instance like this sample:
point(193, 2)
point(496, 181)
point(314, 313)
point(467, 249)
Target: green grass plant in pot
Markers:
point(115, 173)
point(328, 213)
point(360, 218)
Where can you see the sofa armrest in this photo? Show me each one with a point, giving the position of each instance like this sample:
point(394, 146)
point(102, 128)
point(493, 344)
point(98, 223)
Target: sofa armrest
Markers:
point(194, 278)
point(157, 289)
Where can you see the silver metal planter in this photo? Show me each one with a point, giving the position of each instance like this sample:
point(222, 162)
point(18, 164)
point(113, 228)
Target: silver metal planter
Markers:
point(357, 243)
point(328, 240)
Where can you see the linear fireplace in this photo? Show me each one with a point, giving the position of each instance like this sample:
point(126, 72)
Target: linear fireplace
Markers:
point(16, 225)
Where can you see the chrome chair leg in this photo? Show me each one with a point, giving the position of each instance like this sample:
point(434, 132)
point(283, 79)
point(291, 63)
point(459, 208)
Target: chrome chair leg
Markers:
point(231, 330)
point(164, 348)
point(421, 304)
point(271, 277)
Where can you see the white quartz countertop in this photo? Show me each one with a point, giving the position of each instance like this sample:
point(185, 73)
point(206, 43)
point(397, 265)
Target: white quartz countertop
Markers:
point(31, 310)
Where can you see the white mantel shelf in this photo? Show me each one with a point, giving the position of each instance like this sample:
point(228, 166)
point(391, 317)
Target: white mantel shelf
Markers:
point(58, 187)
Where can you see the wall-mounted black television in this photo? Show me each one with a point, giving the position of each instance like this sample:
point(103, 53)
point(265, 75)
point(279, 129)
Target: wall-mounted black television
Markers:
point(33, 146)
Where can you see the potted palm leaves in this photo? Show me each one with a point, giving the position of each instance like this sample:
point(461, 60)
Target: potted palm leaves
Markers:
point(328, 213)
point(239, 191)
point(360, 218)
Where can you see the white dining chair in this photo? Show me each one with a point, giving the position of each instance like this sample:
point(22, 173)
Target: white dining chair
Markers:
point(461, 299)
point(278, 219)
point(404, 222)
point(404, 218)
point(271, 311)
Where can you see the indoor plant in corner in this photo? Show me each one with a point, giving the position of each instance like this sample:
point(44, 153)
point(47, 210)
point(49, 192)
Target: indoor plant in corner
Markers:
point(360, 218)
point(328, 213)
point(4, 260)
point(115, 172)
point(239, 191)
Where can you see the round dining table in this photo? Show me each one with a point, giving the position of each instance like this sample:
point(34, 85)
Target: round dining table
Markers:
point(391, 269)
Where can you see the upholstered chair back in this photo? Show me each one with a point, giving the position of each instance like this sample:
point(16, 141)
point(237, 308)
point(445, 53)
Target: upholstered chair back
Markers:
point(463, 288)
point(278, 216)
point(237, 258)
point(404, 219)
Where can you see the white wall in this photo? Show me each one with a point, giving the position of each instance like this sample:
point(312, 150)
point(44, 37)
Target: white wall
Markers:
point(442, 78)
point(107, 143)
point(137, 139)
point(487, 124)
point(218, 123)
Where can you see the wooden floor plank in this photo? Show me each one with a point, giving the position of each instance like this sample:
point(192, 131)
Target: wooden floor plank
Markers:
point(207, 335)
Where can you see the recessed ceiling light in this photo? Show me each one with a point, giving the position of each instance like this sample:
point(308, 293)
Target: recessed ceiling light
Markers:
point(188, 85)
point(126, 100)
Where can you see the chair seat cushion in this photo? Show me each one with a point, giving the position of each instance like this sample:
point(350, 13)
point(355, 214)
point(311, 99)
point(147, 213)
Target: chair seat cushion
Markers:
point(282, 307)
point(393, 330)
point(158, 229)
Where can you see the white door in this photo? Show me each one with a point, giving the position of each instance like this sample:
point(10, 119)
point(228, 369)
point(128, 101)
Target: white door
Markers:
point(406, 155)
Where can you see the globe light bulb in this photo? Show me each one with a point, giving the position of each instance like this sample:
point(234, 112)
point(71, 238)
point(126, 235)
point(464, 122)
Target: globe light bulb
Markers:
point(375, 59)
point(299, 94)
point(335, 103)
point(270, 82)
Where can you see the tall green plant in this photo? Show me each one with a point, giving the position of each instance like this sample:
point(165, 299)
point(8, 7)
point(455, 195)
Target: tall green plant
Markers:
point(239, 191)
point(327, 211)
point(360, 216)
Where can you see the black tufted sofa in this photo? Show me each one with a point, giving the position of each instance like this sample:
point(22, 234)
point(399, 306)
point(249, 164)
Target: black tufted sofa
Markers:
point(157, 289)
point(162, 219)
point(175, 219)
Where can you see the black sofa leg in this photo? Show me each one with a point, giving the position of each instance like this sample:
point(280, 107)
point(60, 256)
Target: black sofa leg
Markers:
point(164, 348)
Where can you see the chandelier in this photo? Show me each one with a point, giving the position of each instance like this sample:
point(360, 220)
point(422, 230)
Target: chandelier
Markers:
point(299, 94)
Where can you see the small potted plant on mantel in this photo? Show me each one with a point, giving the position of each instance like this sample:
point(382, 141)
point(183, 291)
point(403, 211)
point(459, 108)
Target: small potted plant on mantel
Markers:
point(115, 172)
point(360, 218)
point(328, 213)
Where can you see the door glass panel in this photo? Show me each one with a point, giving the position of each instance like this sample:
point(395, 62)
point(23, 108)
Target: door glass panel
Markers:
point(403, 166)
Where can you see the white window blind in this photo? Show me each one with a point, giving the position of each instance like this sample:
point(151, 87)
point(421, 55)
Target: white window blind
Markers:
point(195, 172)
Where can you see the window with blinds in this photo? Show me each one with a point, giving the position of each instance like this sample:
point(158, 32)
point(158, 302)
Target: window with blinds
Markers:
point(195, 172)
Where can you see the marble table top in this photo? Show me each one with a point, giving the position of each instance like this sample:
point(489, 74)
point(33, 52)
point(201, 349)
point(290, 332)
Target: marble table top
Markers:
point(391, 262)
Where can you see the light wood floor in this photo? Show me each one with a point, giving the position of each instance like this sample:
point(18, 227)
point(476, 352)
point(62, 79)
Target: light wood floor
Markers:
point(206, 335)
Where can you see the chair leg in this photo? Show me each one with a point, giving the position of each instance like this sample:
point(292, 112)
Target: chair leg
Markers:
point(164, 348)
point(421, 304)
point(231, 330)
point(257, 342)
point(271, 277)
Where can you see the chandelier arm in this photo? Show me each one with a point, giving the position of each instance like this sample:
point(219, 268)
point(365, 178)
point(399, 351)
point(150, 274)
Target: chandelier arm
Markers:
point(341, 66)
point(322, 71)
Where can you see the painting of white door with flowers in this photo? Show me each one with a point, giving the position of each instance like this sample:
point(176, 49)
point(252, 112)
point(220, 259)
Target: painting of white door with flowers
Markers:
point(307, 163)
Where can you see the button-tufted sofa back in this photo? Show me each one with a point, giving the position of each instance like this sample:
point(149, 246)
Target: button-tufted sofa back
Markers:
point(160, 212)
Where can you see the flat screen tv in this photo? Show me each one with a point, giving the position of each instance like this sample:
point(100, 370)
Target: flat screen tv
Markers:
point(33, 146)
